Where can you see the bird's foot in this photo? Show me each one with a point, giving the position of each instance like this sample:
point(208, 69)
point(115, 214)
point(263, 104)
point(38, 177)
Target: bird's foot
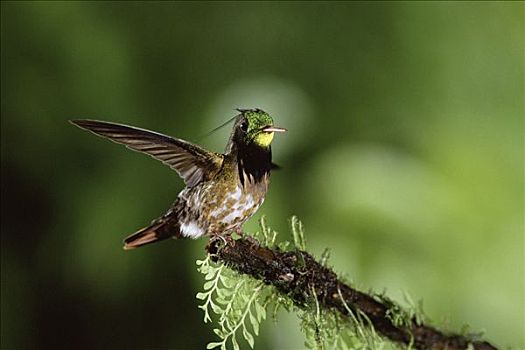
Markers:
point(224, 238)
point(238, 230)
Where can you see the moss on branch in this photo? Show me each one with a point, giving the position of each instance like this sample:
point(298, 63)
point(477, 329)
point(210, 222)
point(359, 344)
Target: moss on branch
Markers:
point(297, 275)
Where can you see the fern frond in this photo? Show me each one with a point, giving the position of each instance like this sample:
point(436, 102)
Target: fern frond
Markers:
point(236, 302)
point(258, 273)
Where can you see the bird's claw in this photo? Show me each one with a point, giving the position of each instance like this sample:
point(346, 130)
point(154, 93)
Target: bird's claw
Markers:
point(239, 231)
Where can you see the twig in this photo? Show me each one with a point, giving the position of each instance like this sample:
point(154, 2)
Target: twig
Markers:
point(296, 274)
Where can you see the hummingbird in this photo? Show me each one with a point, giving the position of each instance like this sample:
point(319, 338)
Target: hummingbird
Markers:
point(222, 190)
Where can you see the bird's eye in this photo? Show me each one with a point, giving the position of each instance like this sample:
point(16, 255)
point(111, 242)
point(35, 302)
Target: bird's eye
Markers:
point(244, 127)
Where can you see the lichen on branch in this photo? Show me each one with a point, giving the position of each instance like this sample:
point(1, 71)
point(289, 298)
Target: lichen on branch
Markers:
point(333, 313)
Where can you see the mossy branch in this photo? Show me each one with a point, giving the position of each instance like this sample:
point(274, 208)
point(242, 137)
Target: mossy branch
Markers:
point(299, 276)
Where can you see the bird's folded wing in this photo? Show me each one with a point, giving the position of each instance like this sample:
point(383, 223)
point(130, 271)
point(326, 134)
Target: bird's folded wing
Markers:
point(193, 163)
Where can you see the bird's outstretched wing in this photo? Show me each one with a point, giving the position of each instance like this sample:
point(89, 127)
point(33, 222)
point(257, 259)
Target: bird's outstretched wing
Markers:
point(193, 163)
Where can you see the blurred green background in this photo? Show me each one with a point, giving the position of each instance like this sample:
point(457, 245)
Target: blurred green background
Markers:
point(404, 156)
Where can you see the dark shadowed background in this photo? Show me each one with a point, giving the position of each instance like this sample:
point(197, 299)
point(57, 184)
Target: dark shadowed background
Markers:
point(404, 156)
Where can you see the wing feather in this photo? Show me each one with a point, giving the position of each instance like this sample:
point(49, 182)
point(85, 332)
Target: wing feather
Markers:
point(193, 163)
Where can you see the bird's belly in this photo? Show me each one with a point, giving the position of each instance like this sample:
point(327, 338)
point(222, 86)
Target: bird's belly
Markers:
point(204, 210)
point(233, 210)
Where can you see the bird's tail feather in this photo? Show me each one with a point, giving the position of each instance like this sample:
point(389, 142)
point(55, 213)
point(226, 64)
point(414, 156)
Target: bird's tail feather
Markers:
point(157, 231)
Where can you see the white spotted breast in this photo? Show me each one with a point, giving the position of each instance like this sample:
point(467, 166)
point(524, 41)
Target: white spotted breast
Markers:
point(204, 210)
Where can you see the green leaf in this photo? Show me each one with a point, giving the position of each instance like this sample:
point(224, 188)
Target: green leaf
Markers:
point(249, 338)
point(201, 296)
point(234, 343)
point(224, 292)
point(227, 277)
point(255, 324)
point(213, 345)
point(216, 308)
point(208, 285)
point(261, 311)
point(221, 300)
point(210, 274)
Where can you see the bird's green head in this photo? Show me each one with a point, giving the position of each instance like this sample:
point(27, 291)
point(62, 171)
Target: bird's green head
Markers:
point(255, 126)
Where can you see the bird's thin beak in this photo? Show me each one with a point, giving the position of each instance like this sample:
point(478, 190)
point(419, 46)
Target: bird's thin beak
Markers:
point(271, 128)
